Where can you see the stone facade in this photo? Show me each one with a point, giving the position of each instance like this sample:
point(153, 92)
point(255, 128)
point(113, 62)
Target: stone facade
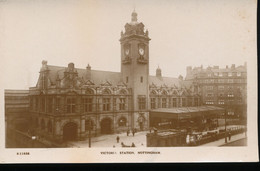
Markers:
point(224, 87)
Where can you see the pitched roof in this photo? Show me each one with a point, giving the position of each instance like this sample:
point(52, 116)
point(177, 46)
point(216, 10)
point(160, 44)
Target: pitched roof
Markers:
point(98, 77)
point(162, 81)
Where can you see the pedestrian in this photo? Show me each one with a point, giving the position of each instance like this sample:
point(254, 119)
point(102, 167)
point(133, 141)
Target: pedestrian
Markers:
point(229, 135)
point(117, 139)
point(133, 145)
point(127, 132)
point(133, 131)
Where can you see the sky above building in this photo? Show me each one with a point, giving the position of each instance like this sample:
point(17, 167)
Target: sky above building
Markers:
point(183, 33)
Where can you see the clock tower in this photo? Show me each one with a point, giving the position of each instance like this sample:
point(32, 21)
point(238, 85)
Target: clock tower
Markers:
point(135, 69)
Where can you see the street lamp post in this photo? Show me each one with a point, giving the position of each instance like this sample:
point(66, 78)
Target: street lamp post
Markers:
point(225, 125)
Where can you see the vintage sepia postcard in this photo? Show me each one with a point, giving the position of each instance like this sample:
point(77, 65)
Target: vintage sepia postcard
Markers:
point(96, 81)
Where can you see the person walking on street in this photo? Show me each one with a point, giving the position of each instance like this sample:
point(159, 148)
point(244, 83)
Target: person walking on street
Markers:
point(117, 139)
point(133, 131)
point(133, 145)
point(229, 135)
point(127, 132)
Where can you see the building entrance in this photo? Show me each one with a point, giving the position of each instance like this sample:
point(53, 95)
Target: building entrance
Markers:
point(106, 126)
point(70, 131)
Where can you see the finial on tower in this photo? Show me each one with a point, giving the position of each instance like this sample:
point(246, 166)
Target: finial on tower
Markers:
point(134, 16)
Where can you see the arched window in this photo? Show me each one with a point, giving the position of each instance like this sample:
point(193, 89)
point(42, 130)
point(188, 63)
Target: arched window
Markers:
point(122, 121)
point(122, 92)
point(42, 124)
point(49, 126)
point(89, 91)
point(106, 91)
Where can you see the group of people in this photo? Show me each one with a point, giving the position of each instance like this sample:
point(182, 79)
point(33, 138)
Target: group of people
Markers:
point(133, 132)
point(127, 133)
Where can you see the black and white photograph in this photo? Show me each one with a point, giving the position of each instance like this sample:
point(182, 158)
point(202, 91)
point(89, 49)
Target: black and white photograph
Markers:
point(128, 78)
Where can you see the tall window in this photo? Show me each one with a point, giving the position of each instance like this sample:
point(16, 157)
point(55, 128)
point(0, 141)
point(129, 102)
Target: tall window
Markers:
point(50, 104)
point(71, 105)
point(153, 103)
point(37, 104)
point(221, 88)
point(141, 103)
point(189, 101)
point(174, 102)
point(106, 104)
point(196, 102)
point(164, 101)
point(43, 104)
point(87, 102)
point(183, 102)
point(141, 79)
point(126, 79)
point(122, 104)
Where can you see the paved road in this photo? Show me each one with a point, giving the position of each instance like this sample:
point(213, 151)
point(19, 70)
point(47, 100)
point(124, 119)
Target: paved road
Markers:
point(110, 140)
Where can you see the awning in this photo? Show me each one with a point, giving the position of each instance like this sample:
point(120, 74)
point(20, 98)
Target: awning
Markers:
point(185, 112)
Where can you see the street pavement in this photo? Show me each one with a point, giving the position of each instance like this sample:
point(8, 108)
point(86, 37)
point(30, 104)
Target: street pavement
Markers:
point(221, 142)
point(139, 139)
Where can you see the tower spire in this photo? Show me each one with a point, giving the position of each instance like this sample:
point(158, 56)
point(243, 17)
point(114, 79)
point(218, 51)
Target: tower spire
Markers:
point(134, 16)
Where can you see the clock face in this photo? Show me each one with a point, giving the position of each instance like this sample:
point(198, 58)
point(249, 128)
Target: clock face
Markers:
point(141, 51)
point(127, 52)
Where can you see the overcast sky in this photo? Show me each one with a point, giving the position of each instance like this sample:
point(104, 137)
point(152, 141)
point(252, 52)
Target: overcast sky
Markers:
point(183, 33)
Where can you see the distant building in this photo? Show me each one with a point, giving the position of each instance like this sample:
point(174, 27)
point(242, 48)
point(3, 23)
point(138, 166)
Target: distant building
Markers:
point(225, 87)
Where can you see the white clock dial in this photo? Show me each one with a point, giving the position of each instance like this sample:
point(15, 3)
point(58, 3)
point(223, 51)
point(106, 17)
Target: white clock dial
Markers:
point(141, 51)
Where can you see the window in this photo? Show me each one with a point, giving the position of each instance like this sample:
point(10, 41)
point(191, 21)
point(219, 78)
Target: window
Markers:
point(221, 88)
point(174, 102)
point(221, 81)
point(196, 102)
point(230, 74)
point(43, 104)
point(87, 104)
point(221, 102)
point(230, 88)
point(239, 74)
point(141, 103)
point(230, 94)
point(183, 102)
point(122, 121)
point(231, 113)
point(216, 73)
point(209, 102)
point(126, 79)
point(42, 124)
point(209, 75)
point(220, 74)
point(106, 104)
point(153, 103)
point(122, 104)
point(141, 79)
point(50, 104)
point(209, 87)
point(58, 104)
point(36, 104)
point(230, 80)
point(221, 94)
point(189, 101)
point(49, 127)
point(71, 105)
point(164, 101)
point(210, 95)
